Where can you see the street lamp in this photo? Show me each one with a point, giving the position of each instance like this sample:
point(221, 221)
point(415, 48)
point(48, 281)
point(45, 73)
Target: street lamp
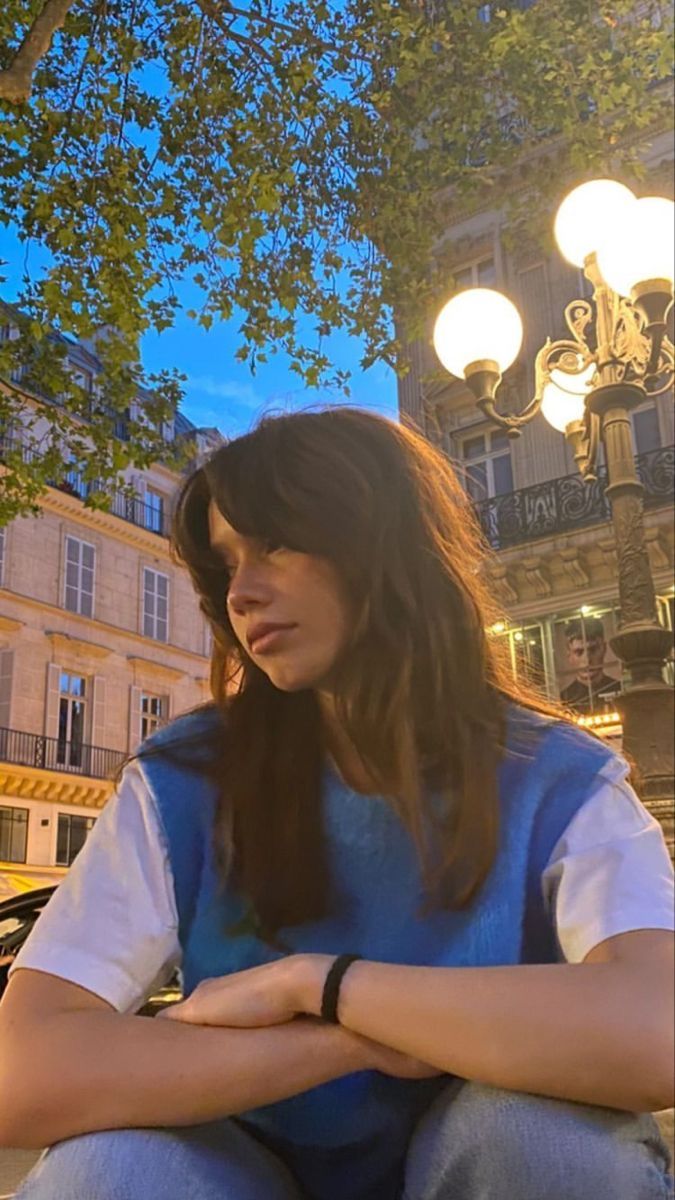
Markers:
point(586, 386)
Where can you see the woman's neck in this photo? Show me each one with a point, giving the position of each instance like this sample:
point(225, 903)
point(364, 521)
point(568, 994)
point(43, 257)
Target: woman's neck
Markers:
point(345, 756)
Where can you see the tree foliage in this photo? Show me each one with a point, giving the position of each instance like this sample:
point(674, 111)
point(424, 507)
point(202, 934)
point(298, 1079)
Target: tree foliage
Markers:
point(292, 158)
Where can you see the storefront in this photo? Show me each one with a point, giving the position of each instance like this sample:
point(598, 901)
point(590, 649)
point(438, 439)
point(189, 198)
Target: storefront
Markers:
point(568, 656)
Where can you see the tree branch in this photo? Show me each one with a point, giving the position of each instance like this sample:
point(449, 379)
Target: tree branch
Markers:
point(16, 81)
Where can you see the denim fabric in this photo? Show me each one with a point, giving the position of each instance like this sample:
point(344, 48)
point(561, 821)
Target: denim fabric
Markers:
point(474, 1143)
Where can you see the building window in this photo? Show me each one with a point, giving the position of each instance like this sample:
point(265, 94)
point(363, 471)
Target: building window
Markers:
point(482, 273)
point(79, 590)
point(72, 714)
point(2, 555)
point(646, 429)
point(71, 835)
point(82, 378)
point(155, 604)
point(13, 834)
point(486, 465)
point(526, 653)
point(154, 511)
point(153, 713)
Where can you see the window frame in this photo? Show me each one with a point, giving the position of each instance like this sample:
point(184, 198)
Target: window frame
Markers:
point(70, 817)
point(12, 809)
point(488, 458)
point(153, 721)
point(151, 511)
point(473, 266)
point(78, 610)
point(145, 615)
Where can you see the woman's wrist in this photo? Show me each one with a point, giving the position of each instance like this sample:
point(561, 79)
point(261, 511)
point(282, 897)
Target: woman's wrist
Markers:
point(308, 979)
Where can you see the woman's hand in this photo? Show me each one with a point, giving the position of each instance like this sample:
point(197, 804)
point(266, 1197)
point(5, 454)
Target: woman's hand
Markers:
point(279, 992)
point(268, 995)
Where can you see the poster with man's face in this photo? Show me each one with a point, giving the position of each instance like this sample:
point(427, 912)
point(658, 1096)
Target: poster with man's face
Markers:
point(589, 673)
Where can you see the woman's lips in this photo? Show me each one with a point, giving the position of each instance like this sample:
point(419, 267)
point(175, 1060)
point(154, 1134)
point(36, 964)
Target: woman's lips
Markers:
point(270, 641)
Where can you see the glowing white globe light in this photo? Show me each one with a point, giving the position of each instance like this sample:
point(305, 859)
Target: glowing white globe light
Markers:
point(588, 214)
point(564, 395)
point(475, 325)
point(646, 248)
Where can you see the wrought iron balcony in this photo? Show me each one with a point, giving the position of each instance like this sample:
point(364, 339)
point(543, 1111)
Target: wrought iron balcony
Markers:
point(569, 503)
point(55, 754)
point(129, 508)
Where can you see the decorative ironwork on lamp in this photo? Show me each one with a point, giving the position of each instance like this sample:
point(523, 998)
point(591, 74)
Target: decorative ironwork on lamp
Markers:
point(625, 247)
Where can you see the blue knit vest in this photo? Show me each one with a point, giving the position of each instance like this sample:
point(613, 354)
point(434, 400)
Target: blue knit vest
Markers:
point(376, 895)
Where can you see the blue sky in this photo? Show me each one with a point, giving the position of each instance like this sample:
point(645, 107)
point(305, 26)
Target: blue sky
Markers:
point(219, 390)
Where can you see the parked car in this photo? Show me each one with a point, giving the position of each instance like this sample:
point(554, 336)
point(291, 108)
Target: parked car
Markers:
point(18, 916)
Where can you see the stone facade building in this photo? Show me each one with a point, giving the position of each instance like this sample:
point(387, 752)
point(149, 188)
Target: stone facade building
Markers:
point(101, 640)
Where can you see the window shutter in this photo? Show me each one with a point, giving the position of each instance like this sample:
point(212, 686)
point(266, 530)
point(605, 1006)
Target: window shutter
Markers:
point(52, 704)
point(135, 694)
point(98, 721)
point(87, 580)
point(167, 707)
point(534, 290)
point(6, 672)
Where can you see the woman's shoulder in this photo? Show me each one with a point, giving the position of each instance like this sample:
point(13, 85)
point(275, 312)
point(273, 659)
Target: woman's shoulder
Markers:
point(537, 735)
point(195, 733)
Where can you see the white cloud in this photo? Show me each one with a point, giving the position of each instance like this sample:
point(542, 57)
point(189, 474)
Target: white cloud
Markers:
point(224, 389)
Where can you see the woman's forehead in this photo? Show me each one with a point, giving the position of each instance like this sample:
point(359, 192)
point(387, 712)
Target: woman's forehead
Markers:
point(221, 533)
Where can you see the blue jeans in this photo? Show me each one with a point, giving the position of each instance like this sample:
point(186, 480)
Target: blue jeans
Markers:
point(473, 1143)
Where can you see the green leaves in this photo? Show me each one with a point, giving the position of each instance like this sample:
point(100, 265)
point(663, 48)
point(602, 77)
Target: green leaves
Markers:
point(297, 159)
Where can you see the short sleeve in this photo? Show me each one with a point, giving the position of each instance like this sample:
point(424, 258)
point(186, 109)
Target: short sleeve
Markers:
point(609, 873)
point(112, 925)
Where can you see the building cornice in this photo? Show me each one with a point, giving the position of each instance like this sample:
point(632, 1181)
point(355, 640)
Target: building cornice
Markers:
point(58, 787)
point(66, 641)
point(107, 523)
point(197, 661)
point(156, 669)
point(9, 624)
point(539, 578)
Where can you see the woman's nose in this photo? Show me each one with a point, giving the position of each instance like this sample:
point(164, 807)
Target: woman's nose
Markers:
point(248, 589)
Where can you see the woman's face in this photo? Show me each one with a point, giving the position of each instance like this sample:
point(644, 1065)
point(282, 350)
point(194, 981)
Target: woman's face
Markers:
point(287, 609)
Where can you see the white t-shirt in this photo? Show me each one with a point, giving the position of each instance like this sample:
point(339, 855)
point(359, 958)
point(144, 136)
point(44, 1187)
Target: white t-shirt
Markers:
point(112, 925)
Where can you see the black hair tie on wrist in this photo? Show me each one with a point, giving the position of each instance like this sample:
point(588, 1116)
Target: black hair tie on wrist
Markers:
point(331, 988)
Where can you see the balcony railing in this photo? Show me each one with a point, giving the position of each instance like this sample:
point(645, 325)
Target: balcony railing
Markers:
point(132, 509)
point(54, 754)
point(569, 503)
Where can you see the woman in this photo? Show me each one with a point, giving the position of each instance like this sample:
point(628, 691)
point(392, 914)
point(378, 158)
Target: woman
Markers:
point(368, 781)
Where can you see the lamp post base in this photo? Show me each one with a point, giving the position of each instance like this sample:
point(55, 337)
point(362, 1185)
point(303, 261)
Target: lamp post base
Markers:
point(648, 717)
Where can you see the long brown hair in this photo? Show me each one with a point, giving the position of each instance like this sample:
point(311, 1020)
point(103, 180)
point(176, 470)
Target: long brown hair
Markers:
point(421, 688)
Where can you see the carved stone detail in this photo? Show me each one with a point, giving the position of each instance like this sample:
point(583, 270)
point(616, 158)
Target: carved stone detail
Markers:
point(502, 582)
point(636, 589)
point(607, 546)
point(537, 576)
point(574, 566)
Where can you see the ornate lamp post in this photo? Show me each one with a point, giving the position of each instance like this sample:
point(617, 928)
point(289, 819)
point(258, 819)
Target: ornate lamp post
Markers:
point(586, 386)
